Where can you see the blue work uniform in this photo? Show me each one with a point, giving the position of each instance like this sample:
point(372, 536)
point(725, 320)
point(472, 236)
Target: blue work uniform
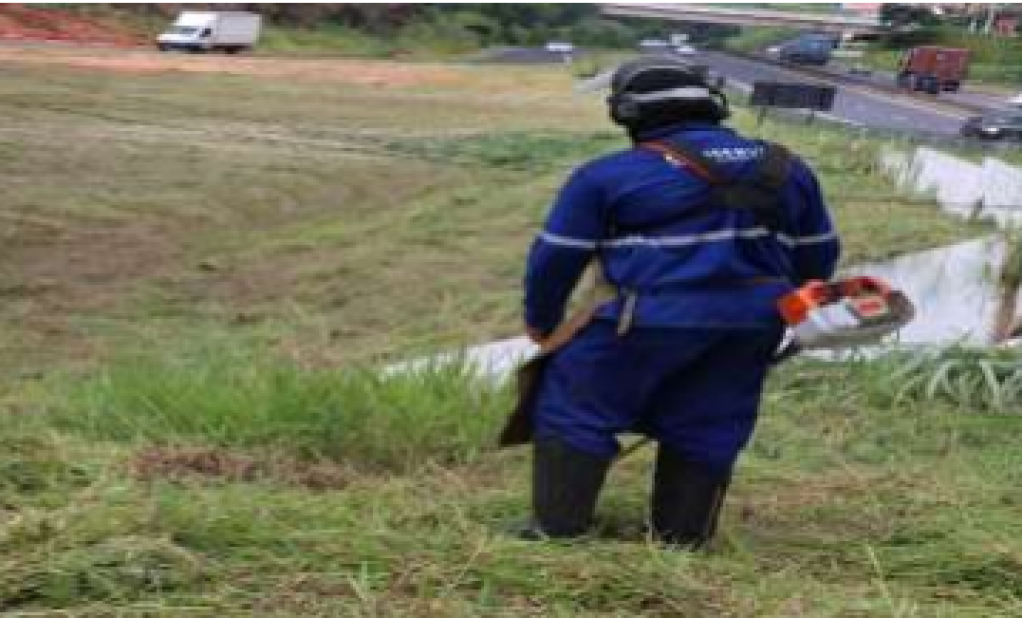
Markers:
point(704, 323)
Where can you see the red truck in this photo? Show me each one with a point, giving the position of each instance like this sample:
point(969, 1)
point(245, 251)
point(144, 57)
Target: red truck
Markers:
point(933, 69)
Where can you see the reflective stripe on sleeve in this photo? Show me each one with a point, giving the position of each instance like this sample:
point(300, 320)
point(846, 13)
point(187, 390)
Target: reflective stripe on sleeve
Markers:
point(564, 241)
point(685, 240)
point(815, 239)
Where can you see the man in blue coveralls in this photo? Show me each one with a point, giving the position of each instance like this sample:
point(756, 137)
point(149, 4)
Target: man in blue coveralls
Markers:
point(700, 230)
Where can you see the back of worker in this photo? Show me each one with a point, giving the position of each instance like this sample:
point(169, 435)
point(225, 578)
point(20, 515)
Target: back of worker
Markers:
point(682, 351)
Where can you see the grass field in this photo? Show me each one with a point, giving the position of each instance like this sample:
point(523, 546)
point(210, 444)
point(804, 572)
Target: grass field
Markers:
point(200, 264)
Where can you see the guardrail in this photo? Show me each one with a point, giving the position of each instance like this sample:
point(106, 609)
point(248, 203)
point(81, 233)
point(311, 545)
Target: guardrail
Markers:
point(744, 17)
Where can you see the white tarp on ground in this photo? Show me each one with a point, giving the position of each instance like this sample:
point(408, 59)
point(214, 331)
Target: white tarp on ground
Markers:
point(989, 189)
point(954, 289)
point(496, 360)
point(1002, 185)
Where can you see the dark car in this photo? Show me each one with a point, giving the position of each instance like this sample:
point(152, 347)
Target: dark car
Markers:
point(1001, 126)
point(807, 49)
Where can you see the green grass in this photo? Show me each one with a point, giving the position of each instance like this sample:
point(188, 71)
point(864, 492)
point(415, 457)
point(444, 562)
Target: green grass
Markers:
point(201, 271)
point(236, 398)
point(328, 39)
point(844, 505)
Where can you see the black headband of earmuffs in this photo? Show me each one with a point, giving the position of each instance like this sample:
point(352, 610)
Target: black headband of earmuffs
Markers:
point(626, 107)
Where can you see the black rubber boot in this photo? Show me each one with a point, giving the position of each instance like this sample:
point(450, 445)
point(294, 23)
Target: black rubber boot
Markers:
point(687, 499)
point(565, 485)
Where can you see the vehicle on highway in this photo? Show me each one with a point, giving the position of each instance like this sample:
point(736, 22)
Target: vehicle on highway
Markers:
point(654, 46)
point(994, 126)
point(814, 49)
point(1016, 100)
point(680, 44)
point(560, 47)
point(933, 69)
point(205, 31)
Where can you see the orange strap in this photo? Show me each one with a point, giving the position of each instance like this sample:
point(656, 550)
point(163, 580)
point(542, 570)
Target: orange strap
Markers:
point(564, 333)
point(675, 156)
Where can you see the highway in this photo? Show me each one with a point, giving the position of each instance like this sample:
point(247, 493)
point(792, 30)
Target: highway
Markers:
point(966, 97)
point(855, 104)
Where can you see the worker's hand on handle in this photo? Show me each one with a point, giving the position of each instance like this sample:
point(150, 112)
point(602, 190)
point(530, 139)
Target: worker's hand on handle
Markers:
point(535, 335)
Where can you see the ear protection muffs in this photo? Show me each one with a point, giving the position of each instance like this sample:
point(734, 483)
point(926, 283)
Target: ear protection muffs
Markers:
point(624, 109)
point(626, 106)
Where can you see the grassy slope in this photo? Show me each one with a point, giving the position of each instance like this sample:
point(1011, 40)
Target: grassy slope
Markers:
point(243, 202)
point(844, 506)
point(200, 247)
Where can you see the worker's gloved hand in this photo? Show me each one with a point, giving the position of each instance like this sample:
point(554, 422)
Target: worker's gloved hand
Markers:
point(535, 335)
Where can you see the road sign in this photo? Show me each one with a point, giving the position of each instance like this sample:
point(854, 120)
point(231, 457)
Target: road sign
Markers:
point(792, 95)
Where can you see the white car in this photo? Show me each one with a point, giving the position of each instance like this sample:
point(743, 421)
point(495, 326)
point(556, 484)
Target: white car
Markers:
point(684, 49)
point(559, 47)
point(205, 31)
point(653, 45)
point(1016, 100)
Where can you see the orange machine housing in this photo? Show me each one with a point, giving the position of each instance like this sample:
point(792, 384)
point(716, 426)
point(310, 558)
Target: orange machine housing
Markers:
point(866, 295)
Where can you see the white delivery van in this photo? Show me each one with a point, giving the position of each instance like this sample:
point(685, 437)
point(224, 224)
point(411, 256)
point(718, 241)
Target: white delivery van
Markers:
point(204, 31)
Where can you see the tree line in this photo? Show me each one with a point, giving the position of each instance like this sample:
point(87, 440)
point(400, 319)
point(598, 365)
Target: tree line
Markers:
point(471, 25)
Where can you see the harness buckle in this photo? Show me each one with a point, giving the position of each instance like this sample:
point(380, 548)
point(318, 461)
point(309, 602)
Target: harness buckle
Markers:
point(627, 317)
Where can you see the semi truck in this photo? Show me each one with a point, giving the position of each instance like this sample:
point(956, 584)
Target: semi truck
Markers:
point(933, 69)
point(208, 31)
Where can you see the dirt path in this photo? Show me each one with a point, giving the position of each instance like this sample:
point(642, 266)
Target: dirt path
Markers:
point(367, 72)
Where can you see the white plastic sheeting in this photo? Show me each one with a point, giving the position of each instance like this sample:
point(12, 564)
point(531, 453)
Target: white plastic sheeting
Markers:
point(954, 289)
point(494, 361)
point(987, 189)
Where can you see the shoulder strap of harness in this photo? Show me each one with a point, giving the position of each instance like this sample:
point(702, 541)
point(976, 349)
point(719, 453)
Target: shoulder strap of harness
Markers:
point(771, 172)
point(693, 159)
point(774, 167)
point(757, 191)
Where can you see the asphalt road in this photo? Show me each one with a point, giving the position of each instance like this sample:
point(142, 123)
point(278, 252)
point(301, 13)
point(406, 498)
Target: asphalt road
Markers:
point(853, 104)
point(966, 95)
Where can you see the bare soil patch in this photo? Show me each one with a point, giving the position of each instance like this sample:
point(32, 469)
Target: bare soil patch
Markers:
point(22, 23)
point(194, 463)
point(365, 72)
